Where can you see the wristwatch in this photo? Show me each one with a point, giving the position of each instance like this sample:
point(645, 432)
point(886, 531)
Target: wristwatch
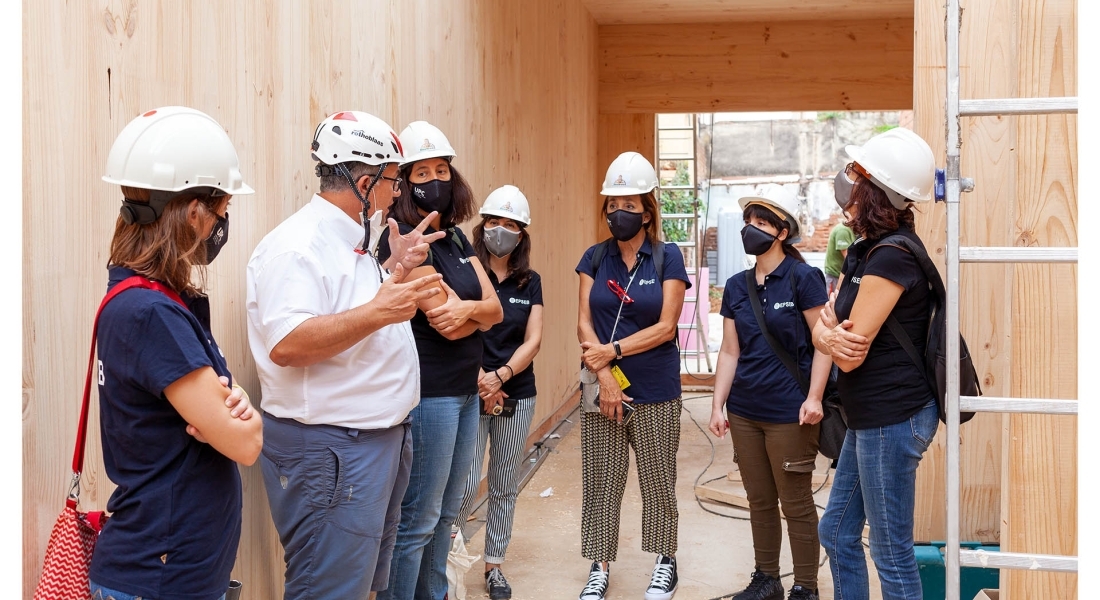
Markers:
point(618, 350)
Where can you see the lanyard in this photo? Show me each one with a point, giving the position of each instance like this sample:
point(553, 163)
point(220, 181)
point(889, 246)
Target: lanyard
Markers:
point(626, 292)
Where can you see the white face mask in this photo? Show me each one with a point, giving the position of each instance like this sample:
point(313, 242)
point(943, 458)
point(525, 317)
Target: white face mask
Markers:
point(501, 241)
point(377, 226)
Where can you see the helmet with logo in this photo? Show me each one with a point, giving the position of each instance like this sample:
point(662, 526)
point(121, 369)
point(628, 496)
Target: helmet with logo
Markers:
point(508, 202)
point(422, 141)
point(780, 201)
point(629, 174)
point(174, 148)
point(900, 163)
point(355, 136)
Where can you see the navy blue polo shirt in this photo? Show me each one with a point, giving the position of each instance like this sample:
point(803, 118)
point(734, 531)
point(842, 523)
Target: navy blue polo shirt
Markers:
point(503, 339)
point(654, 375)
point(447, 367)
point(176, 514)
point(763, 389)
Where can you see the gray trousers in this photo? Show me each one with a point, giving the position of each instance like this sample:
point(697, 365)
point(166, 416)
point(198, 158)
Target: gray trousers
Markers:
point(509, 440)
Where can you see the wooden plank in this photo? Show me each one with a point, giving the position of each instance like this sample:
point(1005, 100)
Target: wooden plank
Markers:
point(1041, 492)
point(732, 498)
point(816, 480)
point(623, 12)
point(489, 73)
point(762, 66)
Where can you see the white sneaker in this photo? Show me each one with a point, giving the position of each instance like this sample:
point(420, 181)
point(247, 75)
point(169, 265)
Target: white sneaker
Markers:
point(662, 585)
point(597, 583)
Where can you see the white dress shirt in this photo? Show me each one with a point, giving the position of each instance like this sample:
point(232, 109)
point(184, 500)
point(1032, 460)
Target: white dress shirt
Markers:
point(308, 267)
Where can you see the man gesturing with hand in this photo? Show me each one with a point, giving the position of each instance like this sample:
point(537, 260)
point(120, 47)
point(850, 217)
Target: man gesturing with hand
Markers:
point(339, 374)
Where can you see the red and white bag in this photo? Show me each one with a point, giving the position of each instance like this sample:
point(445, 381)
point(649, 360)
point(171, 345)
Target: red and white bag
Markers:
point(69, 552)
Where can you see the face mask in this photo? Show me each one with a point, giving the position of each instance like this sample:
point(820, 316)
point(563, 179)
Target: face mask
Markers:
point(377, 225)
point(842, 189)
point(501, 241)
point(219, 235)
point(756, 240)
point(624, 225)
point(433, 195)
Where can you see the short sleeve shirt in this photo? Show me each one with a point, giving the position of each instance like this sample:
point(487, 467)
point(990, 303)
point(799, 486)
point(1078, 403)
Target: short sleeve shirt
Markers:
point(447, 367)
point(888, 387)
point(839, 239)
point(176, 513)
point(763, 389)
point(654, 375)
point(503, 339)
point(307, 267)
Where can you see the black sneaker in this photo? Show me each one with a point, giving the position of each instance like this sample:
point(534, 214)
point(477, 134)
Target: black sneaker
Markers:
point(597, 583)
point(662, 585)
point(762, 587)
point(497, 585)
point(800, 593)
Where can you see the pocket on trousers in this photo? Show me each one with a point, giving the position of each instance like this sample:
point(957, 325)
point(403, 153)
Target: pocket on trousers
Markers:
point(801, 465)
point(328, 466)
point(925, 424)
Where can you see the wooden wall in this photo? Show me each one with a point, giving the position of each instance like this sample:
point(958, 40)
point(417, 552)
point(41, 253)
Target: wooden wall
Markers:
point(618, 133)
point(513, 86)
point(1020, 320)
point(762, 66)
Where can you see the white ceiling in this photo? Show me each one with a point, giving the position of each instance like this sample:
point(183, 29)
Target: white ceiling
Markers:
point(623, 12)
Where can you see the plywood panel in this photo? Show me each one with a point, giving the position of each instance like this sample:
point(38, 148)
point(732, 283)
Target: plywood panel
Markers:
point(486, 72)
point(760, 66)
point(1023, 317)
point(632, 12)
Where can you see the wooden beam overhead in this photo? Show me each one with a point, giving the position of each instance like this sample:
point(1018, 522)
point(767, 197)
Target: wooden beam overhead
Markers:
point(783, 66)
point(637, 12)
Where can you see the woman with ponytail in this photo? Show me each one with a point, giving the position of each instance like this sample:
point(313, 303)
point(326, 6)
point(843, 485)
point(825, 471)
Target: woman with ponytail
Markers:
point(773, 412)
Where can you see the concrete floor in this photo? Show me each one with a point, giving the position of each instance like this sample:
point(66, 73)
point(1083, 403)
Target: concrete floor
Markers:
point(715, 555)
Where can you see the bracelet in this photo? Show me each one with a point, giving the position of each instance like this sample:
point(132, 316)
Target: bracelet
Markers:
point(498, 377)
point(618, 350)
point(511, 373)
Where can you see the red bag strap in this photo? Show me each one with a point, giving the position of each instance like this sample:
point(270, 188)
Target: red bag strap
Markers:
point(135, 281)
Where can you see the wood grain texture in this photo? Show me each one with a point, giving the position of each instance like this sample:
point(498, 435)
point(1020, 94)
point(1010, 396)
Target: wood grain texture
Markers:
point(618, 133)
point(631, 12)
point(1020, 320)
point(759, 66)
point(514, 88)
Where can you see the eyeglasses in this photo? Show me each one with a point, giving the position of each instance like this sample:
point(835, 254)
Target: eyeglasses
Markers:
point(619, 291)
point(854, 168)
point(396, 181)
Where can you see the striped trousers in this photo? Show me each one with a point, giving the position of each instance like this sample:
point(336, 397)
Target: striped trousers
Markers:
point(654, 434)
point(508, 442)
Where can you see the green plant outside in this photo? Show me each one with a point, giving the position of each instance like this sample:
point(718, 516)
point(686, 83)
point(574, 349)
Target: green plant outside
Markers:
point(680, 202)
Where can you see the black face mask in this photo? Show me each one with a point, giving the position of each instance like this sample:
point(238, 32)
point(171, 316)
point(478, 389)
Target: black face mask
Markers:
point(219, 235)
point(842, 189)
point(433, 195)
point(624, 225)
point(756, 240)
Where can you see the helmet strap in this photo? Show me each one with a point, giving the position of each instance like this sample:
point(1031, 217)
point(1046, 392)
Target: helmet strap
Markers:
point(145, 213)
point(343, 170)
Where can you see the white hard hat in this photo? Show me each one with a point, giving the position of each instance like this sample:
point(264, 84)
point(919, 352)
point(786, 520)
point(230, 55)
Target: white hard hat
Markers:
point(630, 173)
point(782, 201)
point(172, 149)
point(900, 162)
point(508, 202)
point(355, 136)
point(423, 141)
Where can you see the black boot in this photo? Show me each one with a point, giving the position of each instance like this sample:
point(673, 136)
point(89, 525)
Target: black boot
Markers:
point(762, 587)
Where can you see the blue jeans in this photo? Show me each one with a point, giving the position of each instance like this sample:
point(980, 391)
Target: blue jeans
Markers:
point(101, 593)
point(875, 482)
point(444, 435)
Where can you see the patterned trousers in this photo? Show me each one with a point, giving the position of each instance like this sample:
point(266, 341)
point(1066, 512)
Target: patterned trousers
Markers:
point(654, 434)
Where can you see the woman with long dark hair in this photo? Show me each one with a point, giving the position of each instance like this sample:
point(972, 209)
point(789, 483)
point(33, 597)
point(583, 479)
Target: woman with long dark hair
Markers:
point(448, 332)
point(773, 413)
point(169, 442)
point(506, 384)
point(891, 411)
point(631, 294)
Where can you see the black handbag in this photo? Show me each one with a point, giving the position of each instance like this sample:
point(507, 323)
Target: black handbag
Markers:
point(834, 424)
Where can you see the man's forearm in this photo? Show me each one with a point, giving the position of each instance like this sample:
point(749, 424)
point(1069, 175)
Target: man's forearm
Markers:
point(322, 337)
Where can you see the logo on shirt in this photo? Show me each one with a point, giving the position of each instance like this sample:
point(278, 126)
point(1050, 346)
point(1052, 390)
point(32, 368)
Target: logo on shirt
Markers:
point(463, 260)
point(779, 305)
point(856, 279)
point(100, 371)
point(647, 281)
point(519, 301)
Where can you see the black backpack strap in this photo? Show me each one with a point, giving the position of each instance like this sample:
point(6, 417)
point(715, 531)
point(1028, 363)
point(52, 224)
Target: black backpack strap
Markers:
point(784, 356)
point(659, 262)
point(598, 254)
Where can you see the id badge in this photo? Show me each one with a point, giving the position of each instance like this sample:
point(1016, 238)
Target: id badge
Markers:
point(620, 377)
